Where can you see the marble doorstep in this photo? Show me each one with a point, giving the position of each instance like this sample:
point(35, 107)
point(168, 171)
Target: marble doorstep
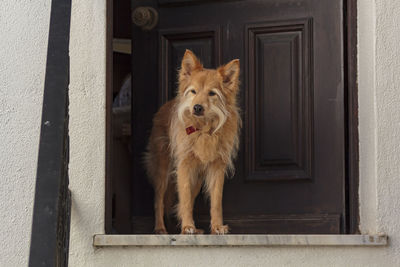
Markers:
point(239, 240)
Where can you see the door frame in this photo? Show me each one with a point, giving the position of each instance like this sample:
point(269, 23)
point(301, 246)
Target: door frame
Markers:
point(351, 222)
point(351, 113)
point(108, 212)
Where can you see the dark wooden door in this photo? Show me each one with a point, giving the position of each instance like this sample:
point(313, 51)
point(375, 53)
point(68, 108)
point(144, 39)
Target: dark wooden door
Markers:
point(290, 173)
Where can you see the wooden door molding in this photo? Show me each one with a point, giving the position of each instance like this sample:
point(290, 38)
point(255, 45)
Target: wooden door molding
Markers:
point(285, 103)
point(173, 43)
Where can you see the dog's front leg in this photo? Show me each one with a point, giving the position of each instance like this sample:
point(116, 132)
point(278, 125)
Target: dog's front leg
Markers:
point(186, 173)
point(215, 185)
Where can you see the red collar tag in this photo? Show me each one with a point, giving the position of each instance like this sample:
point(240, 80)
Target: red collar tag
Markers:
point(190, 130)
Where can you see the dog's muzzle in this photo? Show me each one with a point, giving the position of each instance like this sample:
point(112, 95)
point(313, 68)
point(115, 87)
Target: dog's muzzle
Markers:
point(198, 110)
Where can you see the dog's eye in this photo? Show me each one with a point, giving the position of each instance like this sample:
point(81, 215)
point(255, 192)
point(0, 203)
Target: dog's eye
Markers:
point(211, 93)
point(193, 91)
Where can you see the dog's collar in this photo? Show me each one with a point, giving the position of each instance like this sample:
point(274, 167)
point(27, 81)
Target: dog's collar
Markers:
point(191, 129)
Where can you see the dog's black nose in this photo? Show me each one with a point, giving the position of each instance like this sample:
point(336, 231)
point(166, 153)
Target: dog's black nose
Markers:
point(198, 109)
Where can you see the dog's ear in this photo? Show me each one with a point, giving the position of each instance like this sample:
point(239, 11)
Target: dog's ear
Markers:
point(230, 75)
point(189, 64)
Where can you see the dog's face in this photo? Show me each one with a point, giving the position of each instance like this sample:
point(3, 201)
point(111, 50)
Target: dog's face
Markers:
point(205, 94)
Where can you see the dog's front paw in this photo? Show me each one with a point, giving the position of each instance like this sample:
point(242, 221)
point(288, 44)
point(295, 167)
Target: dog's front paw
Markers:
point(191, 230)
point(219, 229)
point(161, 231)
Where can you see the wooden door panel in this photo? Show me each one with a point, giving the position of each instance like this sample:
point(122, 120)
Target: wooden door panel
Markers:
point(279, 108)
point(204, 42)
point(278, 224)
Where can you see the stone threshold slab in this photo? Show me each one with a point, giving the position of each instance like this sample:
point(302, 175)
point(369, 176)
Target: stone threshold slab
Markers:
point(239, 240)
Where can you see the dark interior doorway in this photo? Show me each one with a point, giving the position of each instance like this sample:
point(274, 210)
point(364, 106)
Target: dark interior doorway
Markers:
point(295, 170)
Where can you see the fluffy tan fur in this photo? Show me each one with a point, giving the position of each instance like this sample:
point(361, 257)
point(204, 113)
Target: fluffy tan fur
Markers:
point(184, 163)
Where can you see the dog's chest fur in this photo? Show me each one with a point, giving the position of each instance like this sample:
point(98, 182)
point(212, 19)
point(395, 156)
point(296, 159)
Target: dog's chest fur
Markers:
point(205, 146)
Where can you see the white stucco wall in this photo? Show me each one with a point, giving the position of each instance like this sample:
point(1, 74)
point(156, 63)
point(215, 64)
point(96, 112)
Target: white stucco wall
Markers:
point(23, 43)
point(23, 49)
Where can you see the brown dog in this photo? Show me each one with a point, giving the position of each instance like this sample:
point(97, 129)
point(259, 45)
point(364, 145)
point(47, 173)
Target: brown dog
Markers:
point(194, 140)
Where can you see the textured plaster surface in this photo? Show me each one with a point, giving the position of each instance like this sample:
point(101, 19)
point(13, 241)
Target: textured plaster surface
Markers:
point(387, 82)
point(379, 61)
point(23, 49)
point(87, 128)
point(367, 115)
